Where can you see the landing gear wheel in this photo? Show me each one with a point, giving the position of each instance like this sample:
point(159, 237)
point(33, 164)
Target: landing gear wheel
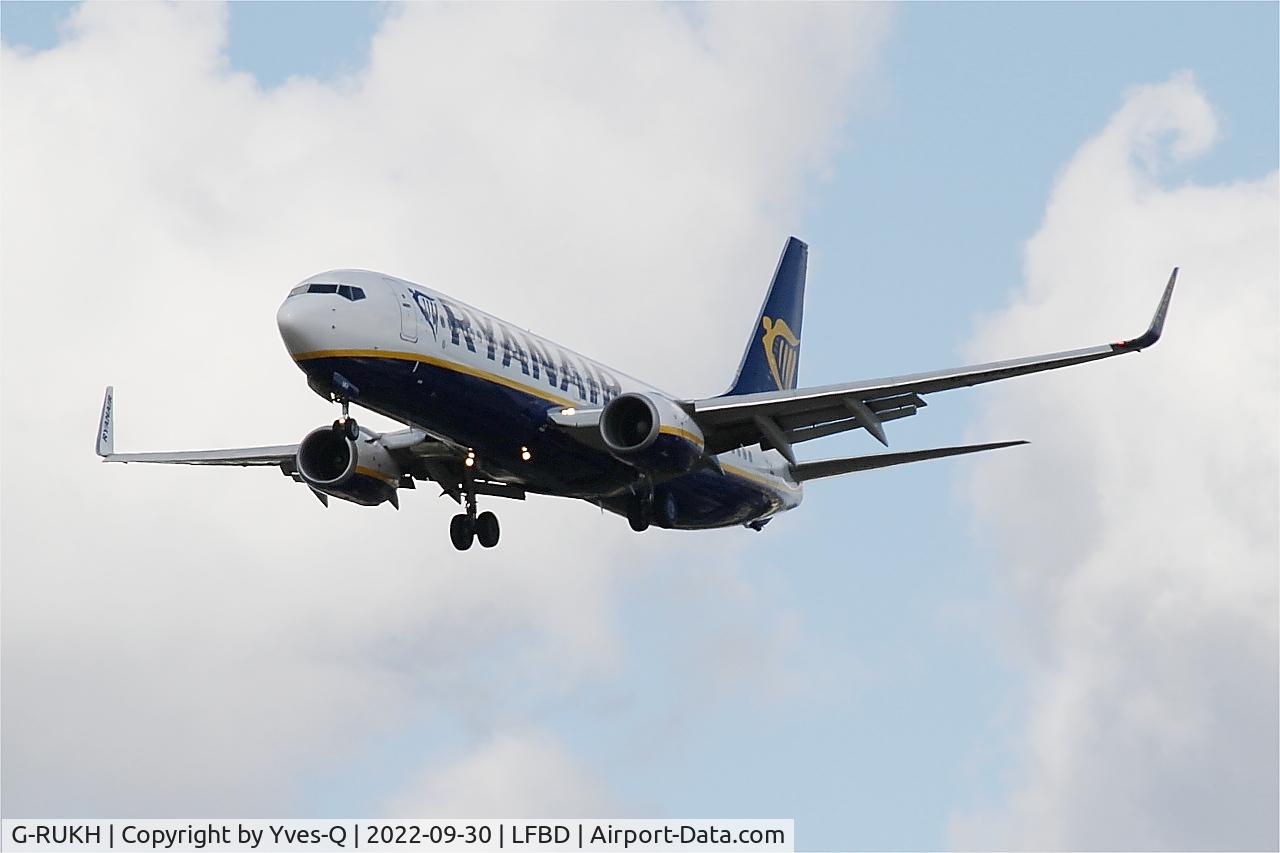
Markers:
point(462, 531)
point(487, 529)
point(637, 519)
point(351, 429)
point(640, 511)
point(665, 510)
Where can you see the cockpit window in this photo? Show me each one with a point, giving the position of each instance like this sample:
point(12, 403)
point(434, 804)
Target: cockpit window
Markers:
point(346, 291)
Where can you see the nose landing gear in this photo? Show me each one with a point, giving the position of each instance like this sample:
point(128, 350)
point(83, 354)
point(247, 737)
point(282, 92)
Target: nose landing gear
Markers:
point(342, 391)
point(346, 425)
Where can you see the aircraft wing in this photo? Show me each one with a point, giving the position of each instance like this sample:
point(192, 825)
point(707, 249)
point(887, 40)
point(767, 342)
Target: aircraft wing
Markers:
point(278, 454)
point(419, 456)
point(783, 418)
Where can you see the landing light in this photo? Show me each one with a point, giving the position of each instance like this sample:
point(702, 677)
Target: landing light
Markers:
point(471, 461)
point(525, 454)
point(569, 412)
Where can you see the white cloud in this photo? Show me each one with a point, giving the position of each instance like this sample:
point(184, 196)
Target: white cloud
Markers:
point(180, 641)
point(1141, 527)
point(517, 774)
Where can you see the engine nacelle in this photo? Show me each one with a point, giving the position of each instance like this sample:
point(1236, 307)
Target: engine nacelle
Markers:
point(652, 433)
point(361, 471)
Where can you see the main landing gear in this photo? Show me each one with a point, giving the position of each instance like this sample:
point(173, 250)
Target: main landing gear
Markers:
point(646, 508)
point(640, 509)
point(637, 518)
point(468, 526)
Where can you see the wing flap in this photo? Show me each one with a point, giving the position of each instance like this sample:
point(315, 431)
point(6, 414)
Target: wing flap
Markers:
point(802, 434)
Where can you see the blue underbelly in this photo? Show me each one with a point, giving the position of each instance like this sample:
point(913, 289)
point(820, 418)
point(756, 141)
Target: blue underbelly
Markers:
point(499, 422)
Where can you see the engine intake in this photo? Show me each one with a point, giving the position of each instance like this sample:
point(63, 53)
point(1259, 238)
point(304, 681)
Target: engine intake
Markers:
point(361, 472)
point(651, 433)
point(629, 424)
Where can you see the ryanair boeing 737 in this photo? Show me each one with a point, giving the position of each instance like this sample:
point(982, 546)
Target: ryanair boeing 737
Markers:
point(492, 410)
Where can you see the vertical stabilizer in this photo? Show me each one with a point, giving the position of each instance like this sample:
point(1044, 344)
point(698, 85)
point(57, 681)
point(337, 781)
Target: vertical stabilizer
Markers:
point(772, 359)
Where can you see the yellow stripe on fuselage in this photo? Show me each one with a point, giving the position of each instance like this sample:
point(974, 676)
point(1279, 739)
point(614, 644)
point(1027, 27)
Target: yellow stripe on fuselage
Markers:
point(517, 386)
point(455, 366)
point(758, 478)
point(468, 370)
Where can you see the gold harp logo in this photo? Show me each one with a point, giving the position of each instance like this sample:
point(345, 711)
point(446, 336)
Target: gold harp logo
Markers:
point(781, 352)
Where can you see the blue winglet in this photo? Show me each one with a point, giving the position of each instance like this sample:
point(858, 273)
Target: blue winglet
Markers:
point(1153, 332)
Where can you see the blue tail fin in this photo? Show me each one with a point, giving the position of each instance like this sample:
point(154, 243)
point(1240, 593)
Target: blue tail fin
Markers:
point(772, 359)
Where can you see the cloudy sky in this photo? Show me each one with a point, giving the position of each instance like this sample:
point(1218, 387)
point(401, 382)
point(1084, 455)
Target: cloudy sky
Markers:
point(1072, 644)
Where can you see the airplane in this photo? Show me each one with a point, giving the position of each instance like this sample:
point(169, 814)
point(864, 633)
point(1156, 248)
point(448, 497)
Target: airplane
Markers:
point(493, 410)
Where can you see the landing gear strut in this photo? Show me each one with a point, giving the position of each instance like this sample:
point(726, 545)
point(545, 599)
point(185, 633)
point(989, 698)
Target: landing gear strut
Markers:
point(466, 527)
point(640, 510)
point(647, 506)
point(346, 425)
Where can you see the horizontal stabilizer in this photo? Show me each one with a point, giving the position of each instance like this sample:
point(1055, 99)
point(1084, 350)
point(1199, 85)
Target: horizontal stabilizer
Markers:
point(834, 467)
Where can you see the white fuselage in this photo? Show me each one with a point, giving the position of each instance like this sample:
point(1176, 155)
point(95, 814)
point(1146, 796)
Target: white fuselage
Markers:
point(459, 355)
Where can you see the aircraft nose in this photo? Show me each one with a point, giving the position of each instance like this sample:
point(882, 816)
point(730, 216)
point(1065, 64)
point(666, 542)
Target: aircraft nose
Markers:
point(299, 323)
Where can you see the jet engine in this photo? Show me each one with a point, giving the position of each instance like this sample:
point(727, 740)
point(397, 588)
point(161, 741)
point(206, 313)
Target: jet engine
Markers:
point(361, 471)
point(651, 433)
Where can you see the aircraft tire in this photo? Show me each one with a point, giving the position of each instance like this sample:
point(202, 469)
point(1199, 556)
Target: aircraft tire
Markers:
point(487, 529)
point(636, 518)
point(461, 531)
point(351, 429)
point(666, 510)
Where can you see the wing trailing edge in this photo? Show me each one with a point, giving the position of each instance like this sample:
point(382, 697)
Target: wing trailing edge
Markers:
point(834, 467)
